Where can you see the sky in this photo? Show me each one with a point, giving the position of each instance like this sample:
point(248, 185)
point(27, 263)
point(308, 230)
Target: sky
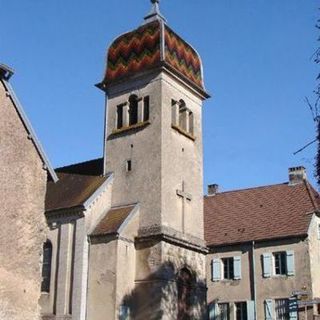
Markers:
point(258, 67)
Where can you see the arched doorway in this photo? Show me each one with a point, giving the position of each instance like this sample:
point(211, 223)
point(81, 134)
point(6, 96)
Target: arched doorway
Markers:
point(185, 286)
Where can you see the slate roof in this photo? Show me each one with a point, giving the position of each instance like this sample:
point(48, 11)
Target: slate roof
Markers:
point(269, 212)
point(75, 186)
point(113, 220)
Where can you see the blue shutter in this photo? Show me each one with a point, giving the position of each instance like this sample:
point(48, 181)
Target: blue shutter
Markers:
point(124, 313)
point(237, 267)
point(293, 309)
point(268, 309)
point(267, 265)
point(213, 311)
point(250, 310)
point(216, 270)
point(290, 263)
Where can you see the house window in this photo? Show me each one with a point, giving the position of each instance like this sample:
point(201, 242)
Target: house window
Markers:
point(228, 268)
point(119, 116)
point(280, 263)
point(146, 108)
point(282, 309)
point(241, 310)
point(46, 266)
point(224, 311)
point(133, 110)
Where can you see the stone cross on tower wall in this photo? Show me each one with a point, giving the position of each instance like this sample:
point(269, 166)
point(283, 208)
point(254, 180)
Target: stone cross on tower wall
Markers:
point(185, 197)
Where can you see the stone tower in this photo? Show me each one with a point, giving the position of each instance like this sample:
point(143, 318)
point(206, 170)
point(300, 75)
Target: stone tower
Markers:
point(153, 146)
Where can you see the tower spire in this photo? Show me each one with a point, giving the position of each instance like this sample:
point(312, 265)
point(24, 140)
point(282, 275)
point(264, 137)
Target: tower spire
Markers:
point(155, 13)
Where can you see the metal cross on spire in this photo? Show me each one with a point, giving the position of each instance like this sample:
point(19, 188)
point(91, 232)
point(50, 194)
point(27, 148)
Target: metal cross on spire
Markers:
point(154, 13)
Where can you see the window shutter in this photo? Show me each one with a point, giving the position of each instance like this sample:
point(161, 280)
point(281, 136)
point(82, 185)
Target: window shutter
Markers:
point(237, 267)
point(268, 309)
point(216, 270)
point(250, 310)
point(213, 311)
point(290, 263)
point(124, 313)
point(267, 265)
point(293, 309)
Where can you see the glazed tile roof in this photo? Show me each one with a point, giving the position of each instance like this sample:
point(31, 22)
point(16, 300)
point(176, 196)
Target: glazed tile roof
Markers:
point(76, 184)
point(269, 212)
point(113, 220)
point(152, 45)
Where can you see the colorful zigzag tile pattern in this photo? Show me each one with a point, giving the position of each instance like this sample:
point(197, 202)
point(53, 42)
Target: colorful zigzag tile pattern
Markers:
point(133, 52)
point(182, 57)
point(140, 50)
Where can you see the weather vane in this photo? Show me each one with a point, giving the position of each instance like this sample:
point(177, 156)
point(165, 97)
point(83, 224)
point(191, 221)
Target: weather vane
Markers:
point(155, 12)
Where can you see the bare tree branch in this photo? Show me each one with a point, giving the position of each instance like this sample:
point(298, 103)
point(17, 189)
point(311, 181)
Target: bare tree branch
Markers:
point(306, 146)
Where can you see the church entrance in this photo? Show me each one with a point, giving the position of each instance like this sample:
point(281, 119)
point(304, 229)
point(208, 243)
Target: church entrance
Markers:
point(185, 286)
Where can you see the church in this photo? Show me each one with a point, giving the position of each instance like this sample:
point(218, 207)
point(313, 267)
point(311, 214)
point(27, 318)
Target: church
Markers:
point(131, 235)
point(126, 232)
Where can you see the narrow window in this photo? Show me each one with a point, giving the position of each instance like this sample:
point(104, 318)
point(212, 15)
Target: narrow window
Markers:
point(46, 266)
point(241, 311)
point(224, 311)
point(133, 110)
point(282, 309)
point(129, 165)
point(319, 231)
point(119, 116)
point(146, 108)
point(228, 268)
point(280, 263)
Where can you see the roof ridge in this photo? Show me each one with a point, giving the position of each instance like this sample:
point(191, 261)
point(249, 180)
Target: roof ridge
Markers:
point(248, 189)
point(78, 163)
point(310, 191)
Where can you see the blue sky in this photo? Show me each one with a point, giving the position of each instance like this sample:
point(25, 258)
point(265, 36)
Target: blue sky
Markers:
point(257, 65)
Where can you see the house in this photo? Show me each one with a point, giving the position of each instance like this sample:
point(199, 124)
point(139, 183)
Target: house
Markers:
point(24, 172)
point(264, 251)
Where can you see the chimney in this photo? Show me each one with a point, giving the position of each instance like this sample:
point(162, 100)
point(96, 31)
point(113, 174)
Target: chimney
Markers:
point(297, 175)
point(5, 72)
point(213, 189)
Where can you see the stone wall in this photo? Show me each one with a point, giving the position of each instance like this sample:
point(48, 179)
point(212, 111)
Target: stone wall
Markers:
point(23, 226)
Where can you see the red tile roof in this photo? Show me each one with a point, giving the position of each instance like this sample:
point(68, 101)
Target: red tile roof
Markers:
point(260, 213)
point(112, 221)
point(76, 184)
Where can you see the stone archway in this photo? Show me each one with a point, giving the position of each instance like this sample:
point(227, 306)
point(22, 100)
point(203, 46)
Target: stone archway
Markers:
point(185, 288)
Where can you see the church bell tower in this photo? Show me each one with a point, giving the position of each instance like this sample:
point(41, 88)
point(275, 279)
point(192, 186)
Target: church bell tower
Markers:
point(153, 146)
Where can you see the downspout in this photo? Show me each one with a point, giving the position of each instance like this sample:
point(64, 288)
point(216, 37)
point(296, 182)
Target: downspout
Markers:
point(254, 279)
point(89, 246)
